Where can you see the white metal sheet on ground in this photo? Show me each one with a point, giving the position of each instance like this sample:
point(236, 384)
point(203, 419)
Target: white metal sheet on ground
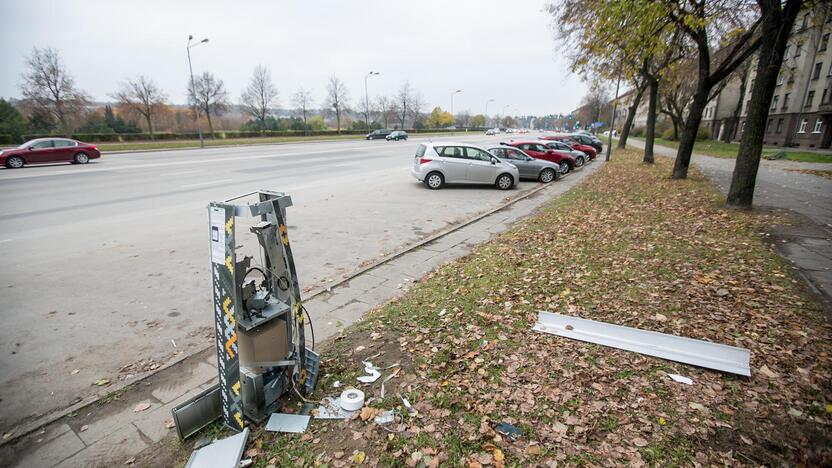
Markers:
point(223, 453)
point(675, 348)
point(282, 422)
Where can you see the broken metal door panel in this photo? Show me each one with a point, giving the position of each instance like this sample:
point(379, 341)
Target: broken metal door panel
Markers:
point(221, 232)
point(675, 348)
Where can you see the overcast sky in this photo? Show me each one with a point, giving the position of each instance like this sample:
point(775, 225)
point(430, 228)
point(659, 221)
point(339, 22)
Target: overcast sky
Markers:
point(499, 50)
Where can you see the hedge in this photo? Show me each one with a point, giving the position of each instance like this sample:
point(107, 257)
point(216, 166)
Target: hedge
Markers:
point(219, 135)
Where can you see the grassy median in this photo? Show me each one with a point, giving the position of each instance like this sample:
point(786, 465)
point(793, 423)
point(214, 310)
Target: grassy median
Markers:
point(721, 149)
point(628, 246)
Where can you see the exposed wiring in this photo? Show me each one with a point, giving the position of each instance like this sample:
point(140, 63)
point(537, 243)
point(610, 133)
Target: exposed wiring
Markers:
point(254, 268)
point(311, 328)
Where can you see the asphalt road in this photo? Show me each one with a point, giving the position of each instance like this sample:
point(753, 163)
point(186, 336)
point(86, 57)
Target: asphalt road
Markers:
point(106, 264)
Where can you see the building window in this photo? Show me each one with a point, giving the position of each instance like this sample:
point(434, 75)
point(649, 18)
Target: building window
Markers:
point(824, 42)
point(774, 102)
point(779, 126)
point(786, 52)
point(816, 72)
point(803, 124)
point(818, 125)
point(809, 98)
point(791, 74)
point(785, 101)
point(768, 125)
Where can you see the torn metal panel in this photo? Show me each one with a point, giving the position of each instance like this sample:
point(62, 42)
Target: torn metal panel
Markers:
point(225, 453)
point(675, 348)
point(198, 412)
point(281, 422)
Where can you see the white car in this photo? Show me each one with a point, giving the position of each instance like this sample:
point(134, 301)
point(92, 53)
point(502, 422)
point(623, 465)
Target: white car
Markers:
point(492, 131)
point(437, 164)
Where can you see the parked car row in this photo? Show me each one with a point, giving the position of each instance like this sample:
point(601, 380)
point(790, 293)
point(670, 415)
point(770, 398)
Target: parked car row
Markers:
point(437, 164)
point(49, 150)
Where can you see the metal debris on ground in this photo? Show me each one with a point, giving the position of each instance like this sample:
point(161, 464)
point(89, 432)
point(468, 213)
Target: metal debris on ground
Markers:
point(675, 348)
point(282, 422)
point(225, 453)
point(331, 409)
point(681, 379)
point(508, 430)
point(372, 373)
point(385, 417)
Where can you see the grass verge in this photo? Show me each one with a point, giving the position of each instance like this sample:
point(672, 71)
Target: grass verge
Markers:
point(721, 149)
point(628, 246)
point(166, 145)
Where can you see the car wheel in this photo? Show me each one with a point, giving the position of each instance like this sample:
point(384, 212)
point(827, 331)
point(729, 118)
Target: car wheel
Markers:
point(579, 161)
point(81, 158)
point(547, 175)
point(434, 181)
point(564, 167)
point(504, 182)
point(14, 162)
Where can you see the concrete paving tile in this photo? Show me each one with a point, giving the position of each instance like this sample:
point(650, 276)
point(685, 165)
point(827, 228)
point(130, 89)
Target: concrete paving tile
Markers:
point(196, 376)
point(344, 295)
point(59, 444)
point(351, 312)
point(318, 306)
point(380, 294)
point(99, 429)
point(363, 282)
point(152, 425)
point(110, 451)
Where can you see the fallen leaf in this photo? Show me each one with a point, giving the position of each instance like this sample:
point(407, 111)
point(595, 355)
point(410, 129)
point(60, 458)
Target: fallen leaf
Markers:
point(359, 457)
point(169, 423)
point(498, 455)
point(746, 440)
point(533, 450)
point(640, 442)
point(130, 461)
point(768, 372)
point(696, 406)
point(141, 407)
point(661, 318)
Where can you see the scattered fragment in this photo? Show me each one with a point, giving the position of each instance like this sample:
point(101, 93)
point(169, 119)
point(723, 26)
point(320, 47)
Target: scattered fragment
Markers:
point(141, 407)
point(696, 406)
point(169, 424)
point(352, 399)
point(336, 384)
point(372, 375)
point(75, 371)
point(675, 348)
point(385, 417)
point(173, 342)
point(226, 452)
point(282, 422)
point(508, 430)
point(331, 409)
point(83, 428)
point(130, 461)
point(101, 382)
point(681, 379)
point(768, 372)
point(245, 462)
point(795, 412)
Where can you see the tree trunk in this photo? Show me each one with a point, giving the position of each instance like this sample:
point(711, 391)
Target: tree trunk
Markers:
point(731, 123)
point(149, 126)
point(338, 119)
point(631, 115)
point(775, 36)
point(688, 137)
point(650, 134)
point(210, 124)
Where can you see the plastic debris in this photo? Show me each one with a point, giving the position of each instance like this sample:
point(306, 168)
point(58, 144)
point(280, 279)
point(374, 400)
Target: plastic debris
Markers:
point(372, 373)
point(385, 417)
point(508, 430)
point(681, 379)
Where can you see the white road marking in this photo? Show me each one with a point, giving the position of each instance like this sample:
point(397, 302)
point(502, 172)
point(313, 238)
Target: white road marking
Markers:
point(213, 182)
point(168, 174)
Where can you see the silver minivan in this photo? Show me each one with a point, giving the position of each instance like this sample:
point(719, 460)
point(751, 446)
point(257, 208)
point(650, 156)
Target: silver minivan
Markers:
point(437, 164)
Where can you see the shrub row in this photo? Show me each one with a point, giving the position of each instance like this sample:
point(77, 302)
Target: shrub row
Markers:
point(131, 137)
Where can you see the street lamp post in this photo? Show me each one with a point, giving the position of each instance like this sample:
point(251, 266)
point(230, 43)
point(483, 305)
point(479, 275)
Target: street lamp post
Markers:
point(486, 109)
point(612, 120)
point(193, 87)
point(367, 99)
point(452, 102)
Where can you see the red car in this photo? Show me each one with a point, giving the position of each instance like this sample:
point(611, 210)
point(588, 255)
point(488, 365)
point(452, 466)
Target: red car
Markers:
point(49, 150)
point(586, 149)
point(538, 150)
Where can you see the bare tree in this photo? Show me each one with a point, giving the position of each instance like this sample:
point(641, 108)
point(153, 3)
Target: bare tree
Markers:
point(302, 101)
point(209, 94)
point(336, 98)
point(141, 95)
point(417, 107)
point(403, 103)
point(384, 108)
point(259, 95)
point(463, 119)
point(50, 89)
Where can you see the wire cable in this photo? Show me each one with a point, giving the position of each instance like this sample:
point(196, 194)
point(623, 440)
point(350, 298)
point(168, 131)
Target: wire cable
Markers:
point(311, 328)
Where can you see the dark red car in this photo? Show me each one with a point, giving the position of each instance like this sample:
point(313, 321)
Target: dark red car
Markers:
point(538, 150)
point(49, 150)
point(574, 144)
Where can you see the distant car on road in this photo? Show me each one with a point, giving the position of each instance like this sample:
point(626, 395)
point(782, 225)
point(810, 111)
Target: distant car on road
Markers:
point(397, 135)
point(492, 131)
point(378, 134)
point(538, 150)
point(437, 164)
point(529, 167)
point(49, 150)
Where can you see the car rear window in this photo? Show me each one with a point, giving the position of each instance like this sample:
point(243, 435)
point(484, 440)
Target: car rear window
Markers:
point(420, 151)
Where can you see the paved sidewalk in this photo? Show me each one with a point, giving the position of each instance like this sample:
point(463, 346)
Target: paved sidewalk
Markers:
point(807, 245)
point(108, 434)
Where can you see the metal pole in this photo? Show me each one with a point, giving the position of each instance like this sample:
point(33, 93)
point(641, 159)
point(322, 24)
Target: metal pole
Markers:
point(486, 109)
point(452, 104)
point(367, 99)
point(193, 91)
point(612, 120)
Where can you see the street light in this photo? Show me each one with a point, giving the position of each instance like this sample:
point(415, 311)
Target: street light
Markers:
point(193, 86)
point(486, 107)
point(367, 99)
point(452, 101)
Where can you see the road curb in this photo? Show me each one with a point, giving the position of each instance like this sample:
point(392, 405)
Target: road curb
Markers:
point(311, 294)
